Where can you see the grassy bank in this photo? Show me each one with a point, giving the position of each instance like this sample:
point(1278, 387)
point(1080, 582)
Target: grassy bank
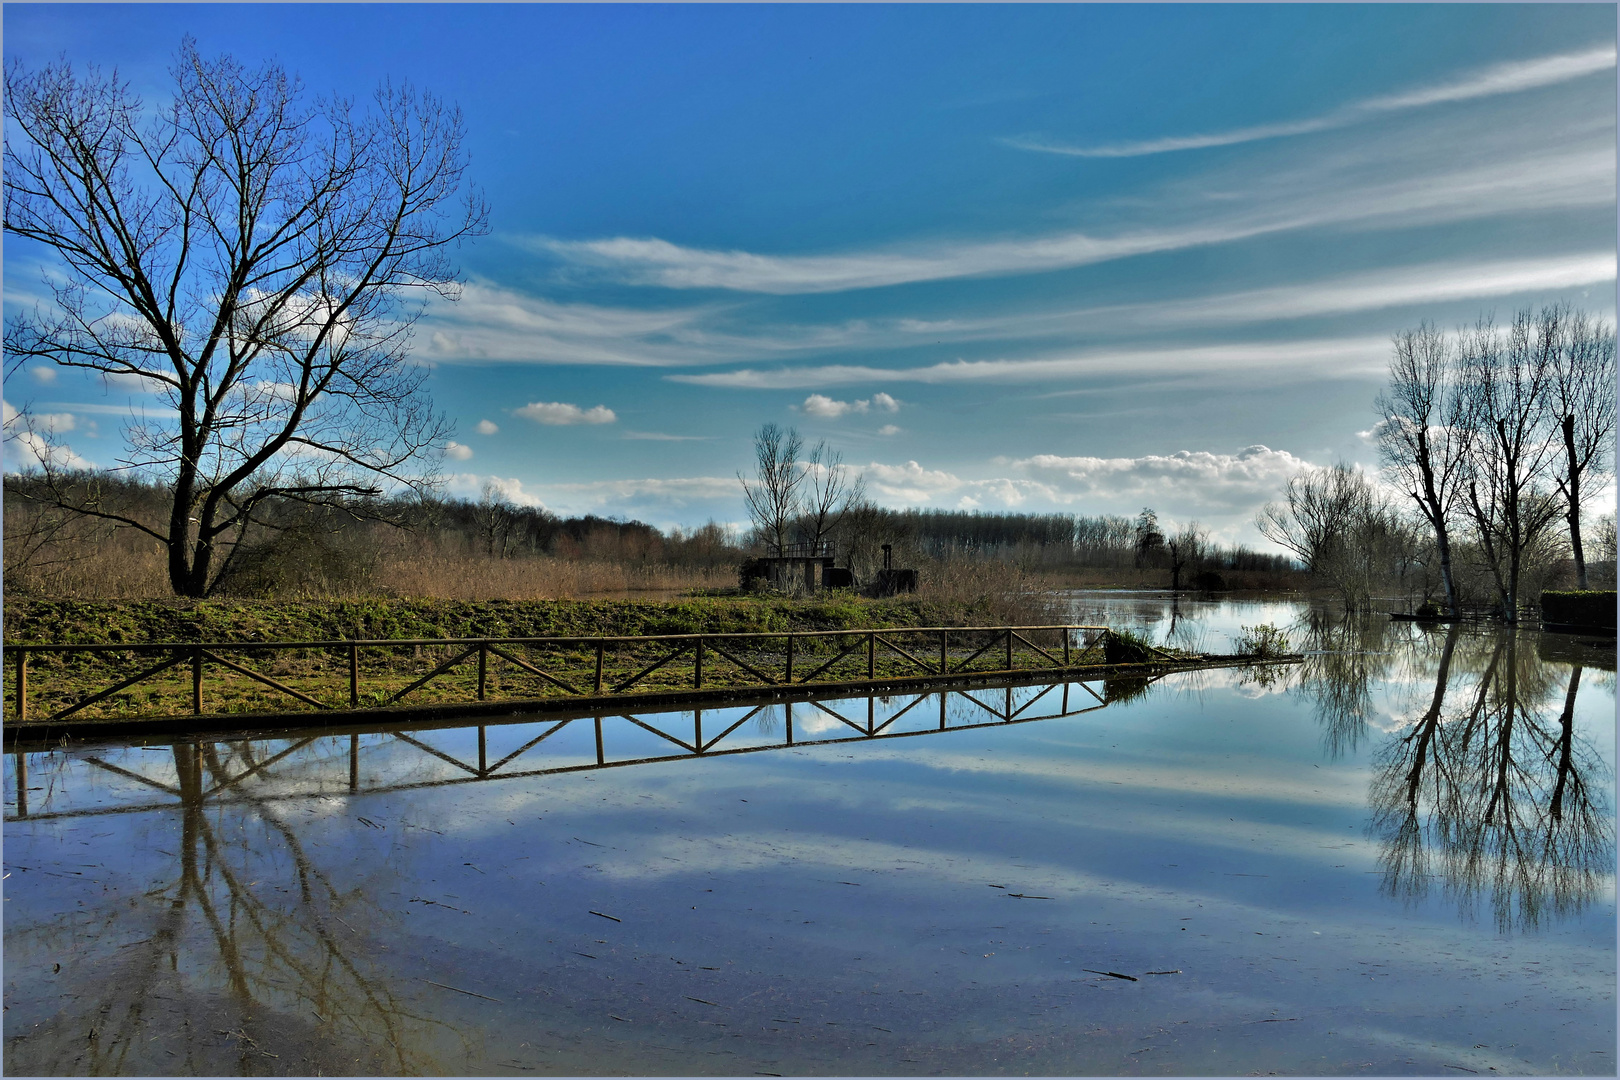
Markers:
point(56, 681)
point(88, 621)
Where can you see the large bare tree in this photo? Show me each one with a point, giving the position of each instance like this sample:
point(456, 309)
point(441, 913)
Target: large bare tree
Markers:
point(1423, 452)
point(254, 257)
point(1505, 377)
point(1580, 397)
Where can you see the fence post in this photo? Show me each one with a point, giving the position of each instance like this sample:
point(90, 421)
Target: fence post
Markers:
point(871, 655)
point(697, 665)
point(789, 679)
point(196, 681)
point(22, 685)
point(600, 646)
point(483, 679)
point(944, 664)
point(1009, 648)
point(354, 675)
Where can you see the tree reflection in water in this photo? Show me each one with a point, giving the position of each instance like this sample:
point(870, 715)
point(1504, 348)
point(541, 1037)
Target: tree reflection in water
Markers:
point(253, 963)
point(1490, 790)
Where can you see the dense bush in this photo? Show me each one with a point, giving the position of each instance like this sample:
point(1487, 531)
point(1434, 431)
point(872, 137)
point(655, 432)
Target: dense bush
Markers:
point(1593, 607)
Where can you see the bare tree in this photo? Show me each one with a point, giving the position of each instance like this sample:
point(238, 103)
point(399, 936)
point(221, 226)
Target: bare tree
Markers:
point(773, 497)
point(1186, 547)
point(1501, 407)
point(1422, 452)
point(256, 259)
point(495, 519)
point(1340, 526)
point(829, 494)
point(1580, 395)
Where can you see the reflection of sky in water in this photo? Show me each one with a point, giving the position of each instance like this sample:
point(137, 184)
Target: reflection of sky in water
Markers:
point(927, 904)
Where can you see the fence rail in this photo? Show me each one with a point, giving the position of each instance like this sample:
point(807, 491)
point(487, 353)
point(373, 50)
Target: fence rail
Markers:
point(516, 668)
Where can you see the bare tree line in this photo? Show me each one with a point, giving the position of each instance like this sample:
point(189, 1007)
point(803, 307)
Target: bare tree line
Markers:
point(1491, 440)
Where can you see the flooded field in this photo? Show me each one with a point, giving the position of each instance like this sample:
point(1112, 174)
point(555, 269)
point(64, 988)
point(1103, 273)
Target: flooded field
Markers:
point(1394, 858)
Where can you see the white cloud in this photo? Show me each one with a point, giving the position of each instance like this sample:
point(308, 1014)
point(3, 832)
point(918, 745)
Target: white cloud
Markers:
point(1512, 77)
point(889, 429)
point(456, 452)
point(1565, 174)
point(1187, 483)
point(561, 413)
point(43, 372)
point(31, 440)
point(471, 486)
point(1306, 358)
point(486, 427)
point(819, 405)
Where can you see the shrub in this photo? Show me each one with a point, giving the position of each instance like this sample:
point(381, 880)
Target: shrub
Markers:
point(1262, 642)
point(1591, 607)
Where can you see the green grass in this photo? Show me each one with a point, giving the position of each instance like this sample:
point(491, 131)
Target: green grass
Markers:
point(56, 681)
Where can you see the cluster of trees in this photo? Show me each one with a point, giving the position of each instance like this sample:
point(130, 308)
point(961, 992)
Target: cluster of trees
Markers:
point(1492, 440)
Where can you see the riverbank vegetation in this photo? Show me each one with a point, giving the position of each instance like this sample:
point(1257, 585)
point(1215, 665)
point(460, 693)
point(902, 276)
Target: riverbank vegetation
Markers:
point(1494, 442)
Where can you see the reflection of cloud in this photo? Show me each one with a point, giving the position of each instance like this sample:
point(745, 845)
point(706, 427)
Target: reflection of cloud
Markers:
point(1512, 77)
point(456, 452)
point(486, 427)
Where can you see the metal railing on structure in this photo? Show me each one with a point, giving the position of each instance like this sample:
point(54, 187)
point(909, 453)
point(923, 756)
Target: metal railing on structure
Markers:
point(519, 668)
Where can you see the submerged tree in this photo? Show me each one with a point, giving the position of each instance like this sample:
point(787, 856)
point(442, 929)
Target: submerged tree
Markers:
point(1341, 527)
point(255, 258)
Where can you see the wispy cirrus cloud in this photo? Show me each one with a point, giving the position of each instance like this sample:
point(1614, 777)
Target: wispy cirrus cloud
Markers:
point(1300, 359)
point(1538, 179)
point(1508, 78)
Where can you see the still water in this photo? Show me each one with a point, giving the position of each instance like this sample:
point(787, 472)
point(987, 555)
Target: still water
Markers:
point(1394, 858)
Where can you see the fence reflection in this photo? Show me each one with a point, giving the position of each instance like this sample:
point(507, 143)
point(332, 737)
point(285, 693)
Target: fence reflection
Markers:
point(315, 764)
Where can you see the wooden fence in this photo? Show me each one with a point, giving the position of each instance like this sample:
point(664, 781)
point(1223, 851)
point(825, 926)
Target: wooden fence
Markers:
point(384, 672)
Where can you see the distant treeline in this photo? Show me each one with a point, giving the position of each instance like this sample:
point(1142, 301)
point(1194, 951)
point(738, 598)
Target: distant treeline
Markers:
point(411, 546)
point(1103, 541)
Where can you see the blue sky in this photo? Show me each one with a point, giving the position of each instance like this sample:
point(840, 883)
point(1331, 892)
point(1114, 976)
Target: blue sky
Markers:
point(1075, 258)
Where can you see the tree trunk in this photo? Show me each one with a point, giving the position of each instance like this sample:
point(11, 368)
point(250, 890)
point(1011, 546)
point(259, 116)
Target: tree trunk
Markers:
point(1573, 498)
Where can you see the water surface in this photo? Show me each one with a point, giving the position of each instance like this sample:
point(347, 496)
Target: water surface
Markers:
point(1395, 858)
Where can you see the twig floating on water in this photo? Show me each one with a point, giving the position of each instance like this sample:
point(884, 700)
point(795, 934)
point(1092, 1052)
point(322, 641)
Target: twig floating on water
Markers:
point(1172, 971)
point(716, 1004)
point(606, 916)
point(1027, 896)
point(1112, 974)
point(459, 990)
